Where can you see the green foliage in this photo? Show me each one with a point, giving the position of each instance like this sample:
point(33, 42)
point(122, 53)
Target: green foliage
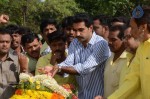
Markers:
point(3, 1)
point(111, 7)
point(51, 8)
point(30, 12)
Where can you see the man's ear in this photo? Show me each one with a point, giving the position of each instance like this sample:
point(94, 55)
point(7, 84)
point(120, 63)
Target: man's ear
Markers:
point(143, 27)
point(40, 44)
point(25, 49)
point(106, 28)
point(42, 34)
point(91, 27)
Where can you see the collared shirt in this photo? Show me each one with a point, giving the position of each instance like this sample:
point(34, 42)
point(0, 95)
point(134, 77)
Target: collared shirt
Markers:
point(45, 61)
point(31, 64)
point(89, 63)
point(125, 70)
point(9, 74)
point(112, 73)
point(138, 76)
point(45, 49)
point(15, 53)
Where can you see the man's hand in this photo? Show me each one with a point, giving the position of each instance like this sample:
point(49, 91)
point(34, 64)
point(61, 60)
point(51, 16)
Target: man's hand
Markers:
point(4, 18)
point(49, 70)
point(55, 57)
point(99, 97)
point(23, 61)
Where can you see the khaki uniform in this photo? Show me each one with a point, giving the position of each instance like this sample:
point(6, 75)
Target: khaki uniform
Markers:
point(9, 76)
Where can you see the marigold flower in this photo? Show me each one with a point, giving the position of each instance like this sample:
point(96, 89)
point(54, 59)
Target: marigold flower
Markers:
point(57, 96)
point(18, 92)
point(40, 87)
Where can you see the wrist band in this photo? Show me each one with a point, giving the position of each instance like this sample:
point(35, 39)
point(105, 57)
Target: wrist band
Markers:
point(59, 69)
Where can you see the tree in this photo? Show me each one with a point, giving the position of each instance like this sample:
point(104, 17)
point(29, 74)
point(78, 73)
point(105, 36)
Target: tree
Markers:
point(30, 12)
point(110, 7)
point(51, 8)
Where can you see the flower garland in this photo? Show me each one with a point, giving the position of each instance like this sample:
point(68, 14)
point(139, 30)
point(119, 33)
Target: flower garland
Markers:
point(32, 94)
point(40, 87)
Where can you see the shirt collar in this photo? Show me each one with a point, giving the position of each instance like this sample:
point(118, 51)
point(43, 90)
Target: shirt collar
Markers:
point(22, 49)
point(124, 54)
point(14, 52)
point(93, 38)
point(148, 40)
point(10, 56)
point(30, 57)
point(50, 54)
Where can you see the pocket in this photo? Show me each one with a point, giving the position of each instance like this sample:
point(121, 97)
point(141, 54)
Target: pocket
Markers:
point(145, 67)
point(12, 77)
point(115, 79)
point(82, 80)
point(115, 84)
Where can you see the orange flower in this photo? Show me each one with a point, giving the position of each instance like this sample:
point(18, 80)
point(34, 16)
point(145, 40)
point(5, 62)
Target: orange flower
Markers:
point(74, 97)
point(18, 92)
point(72, 87)
point(67, 87)
point(57, 96)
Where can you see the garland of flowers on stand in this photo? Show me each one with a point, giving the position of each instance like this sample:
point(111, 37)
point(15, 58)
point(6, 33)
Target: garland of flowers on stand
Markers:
point(40, 87)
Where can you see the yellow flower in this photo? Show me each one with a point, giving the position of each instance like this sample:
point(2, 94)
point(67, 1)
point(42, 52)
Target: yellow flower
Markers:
point(32, 94)
point(29, 92)
point(37, 82)
point(20, 97)
point(31, 80)
point(46, 94)
point(37, 86)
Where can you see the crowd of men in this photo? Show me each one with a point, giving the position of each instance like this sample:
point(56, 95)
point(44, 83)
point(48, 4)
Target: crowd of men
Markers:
point(103, 57)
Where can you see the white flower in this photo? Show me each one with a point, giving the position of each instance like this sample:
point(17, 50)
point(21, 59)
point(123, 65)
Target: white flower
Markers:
point(53, 85)
point(46, 81)
point(40, 77)
point(24, 77)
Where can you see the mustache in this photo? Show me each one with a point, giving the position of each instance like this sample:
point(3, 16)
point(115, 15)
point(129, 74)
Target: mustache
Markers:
point(79, 37)
point(110, 45)
point(4, 48)
point(13, 41)
point(70, 36)
point(58, 51)
point(34, 51)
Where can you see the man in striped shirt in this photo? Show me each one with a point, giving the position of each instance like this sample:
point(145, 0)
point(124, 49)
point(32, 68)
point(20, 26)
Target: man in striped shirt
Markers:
point(86, 58)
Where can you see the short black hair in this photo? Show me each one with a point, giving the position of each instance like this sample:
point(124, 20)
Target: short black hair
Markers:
point(13, 28)
point(46, 22)
point(126, 26)
point(56, 36)
point(25, 30)
point(83, 17)
point(104, 19)
point(120, 19)
point(67, 21)
point(145, 19)
point(3, 31)
point(119, 28)
point(29, 38)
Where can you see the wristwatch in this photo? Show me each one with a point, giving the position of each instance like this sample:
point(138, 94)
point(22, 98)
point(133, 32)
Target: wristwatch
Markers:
point(59, 69)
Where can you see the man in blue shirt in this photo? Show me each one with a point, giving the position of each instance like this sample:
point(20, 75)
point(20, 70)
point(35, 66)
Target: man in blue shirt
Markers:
point(86, 58)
